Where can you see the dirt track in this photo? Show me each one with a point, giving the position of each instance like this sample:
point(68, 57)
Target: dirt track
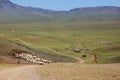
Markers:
point(77, 71)
point(19, 73)
point(63, 71)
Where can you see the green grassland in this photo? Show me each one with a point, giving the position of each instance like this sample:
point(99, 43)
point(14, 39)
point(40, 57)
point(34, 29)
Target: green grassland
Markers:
point(100, 37)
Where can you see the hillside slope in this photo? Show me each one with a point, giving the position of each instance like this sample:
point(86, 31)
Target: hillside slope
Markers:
point(12, 13)
point(7, 45)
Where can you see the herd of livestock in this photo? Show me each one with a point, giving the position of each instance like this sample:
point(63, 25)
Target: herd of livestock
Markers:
point(28, 56)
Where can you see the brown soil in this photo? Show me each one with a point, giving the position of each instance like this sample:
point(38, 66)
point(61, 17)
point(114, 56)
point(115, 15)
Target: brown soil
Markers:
point(19, 73)
point(2, 35)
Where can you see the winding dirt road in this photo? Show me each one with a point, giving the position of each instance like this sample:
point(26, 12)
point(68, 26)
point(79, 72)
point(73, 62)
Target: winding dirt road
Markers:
point(20, 73)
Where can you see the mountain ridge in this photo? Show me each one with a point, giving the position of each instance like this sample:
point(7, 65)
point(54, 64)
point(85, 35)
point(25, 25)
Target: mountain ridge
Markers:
point(11, 12)
point(107, 8)
point(7, 4)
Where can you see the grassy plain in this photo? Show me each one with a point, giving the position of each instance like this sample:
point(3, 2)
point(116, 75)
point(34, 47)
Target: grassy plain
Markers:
point(101, 38)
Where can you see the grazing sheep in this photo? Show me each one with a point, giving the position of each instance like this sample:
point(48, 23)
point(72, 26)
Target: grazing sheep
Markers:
point(33, 57)
point(41, 63)
point(27, 56)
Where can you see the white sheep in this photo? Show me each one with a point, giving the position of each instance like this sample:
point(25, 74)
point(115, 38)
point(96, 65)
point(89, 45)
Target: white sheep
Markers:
point(41, 63)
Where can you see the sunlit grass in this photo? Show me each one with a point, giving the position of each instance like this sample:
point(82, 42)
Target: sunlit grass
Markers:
point(89, 35)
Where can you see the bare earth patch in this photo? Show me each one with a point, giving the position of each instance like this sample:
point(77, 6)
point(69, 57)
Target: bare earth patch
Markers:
point(2, 35)
point(19, 73)
point(80, 71)
point(63, 71)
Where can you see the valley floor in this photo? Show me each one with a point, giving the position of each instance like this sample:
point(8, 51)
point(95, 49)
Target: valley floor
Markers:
point(62, 71)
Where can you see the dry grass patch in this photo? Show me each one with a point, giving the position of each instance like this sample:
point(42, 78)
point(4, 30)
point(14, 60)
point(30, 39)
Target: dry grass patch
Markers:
point(6, 66)
point(80, 71)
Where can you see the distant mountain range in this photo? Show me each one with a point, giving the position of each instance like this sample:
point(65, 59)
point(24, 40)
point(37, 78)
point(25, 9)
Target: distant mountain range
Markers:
point(8, 5)
point(9, 10)
point(99, 8)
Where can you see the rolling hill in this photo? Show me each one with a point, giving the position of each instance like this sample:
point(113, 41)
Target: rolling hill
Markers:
point(11, 12)
point(50, 30)
point(7, 45)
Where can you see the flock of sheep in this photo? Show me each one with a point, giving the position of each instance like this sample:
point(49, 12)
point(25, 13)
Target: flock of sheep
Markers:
point(27, 56)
